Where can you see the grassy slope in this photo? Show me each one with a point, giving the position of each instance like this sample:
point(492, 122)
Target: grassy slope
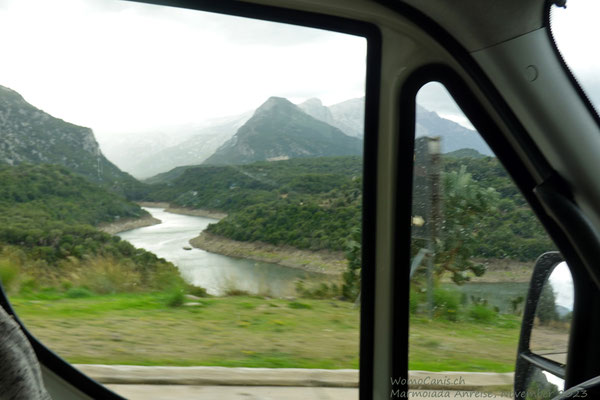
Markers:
point(250, 332)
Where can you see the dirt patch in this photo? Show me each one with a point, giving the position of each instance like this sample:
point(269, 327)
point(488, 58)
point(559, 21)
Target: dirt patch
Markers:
point(127, 224)
point(323, 261)
point(551, 342)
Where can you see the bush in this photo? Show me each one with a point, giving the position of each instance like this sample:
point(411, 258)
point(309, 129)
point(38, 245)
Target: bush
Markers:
point(78, 293)
point(197, 291)
point(236, 292)
point(446, 303)
point(482, 313)
point(296, 305)
point(175, 298)
point(319, 291)
point(8, 274)
point(415, 299)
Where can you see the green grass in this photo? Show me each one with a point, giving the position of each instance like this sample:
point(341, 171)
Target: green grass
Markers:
point(441, 345)
point(248, 331)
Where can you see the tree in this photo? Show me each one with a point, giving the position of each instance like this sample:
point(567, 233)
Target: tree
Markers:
point(546, 307)
point(352, 281)
point(466, 204)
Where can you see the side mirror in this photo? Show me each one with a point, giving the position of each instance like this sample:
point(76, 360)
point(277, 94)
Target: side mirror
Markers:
point(544, 341)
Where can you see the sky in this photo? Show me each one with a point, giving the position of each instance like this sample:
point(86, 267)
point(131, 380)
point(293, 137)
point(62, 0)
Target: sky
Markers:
point(577, 33)
point(121, 67)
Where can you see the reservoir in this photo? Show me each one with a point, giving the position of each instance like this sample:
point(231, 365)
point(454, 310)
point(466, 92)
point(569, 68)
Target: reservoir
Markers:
point(216, 273)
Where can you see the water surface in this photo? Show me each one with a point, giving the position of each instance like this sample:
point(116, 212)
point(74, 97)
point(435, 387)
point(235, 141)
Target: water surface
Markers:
point(214, 272)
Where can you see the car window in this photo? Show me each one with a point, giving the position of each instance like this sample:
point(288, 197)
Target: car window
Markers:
point(182, 189)
point(474, 244)
point(575, 30)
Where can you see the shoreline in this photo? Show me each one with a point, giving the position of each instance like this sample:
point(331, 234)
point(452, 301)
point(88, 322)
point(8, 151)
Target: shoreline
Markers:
point(128, 224)
point(196, 212)
point(193, 212)
point(500, 271)
point(325, 262)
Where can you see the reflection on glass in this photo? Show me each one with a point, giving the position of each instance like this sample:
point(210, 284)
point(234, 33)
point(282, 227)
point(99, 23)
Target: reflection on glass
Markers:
point(550, 333)
point(241, 261)
point(474, 241)
point(542, 385)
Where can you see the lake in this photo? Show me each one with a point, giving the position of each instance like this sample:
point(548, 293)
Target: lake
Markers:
point(214, 272)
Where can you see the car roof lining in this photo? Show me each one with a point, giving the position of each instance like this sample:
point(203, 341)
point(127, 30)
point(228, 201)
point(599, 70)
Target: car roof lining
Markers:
point(480, 24)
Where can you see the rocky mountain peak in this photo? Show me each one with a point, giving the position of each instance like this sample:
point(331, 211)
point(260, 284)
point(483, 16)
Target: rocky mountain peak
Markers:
point(275, 104)
point(30, 135)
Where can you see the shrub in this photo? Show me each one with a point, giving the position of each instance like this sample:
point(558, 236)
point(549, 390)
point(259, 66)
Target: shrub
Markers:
point(482, 313)
point(175, 298)
point(236, 292)
point(414, 301)
point(8, 274)
point(318, 291)
point(446, 303)
point(197, 291)
point(78, 293)
point(296, 305)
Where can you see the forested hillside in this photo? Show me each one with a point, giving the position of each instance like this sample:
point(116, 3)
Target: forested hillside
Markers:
point(47, 215)
point(316, 203)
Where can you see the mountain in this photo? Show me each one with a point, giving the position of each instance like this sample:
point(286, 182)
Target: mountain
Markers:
point(454, 136)
point(30, 135)
point(462, 153)
point(126, 148)
point(198, 147)
point(315, 108)
point(349, 116)
point(280, 130)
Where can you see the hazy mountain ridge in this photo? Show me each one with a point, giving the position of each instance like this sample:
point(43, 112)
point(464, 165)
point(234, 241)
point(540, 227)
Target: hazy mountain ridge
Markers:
point(280, 130)
point(193, 150)
point(454, 136)
point(349, 117)
point(30, 135)
point(146, 156)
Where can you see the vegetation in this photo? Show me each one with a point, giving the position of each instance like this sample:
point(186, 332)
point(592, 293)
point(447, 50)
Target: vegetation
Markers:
point(48, 241)
point(512, 230)
point(250, 332)
point(304, 203)
point(316, 204)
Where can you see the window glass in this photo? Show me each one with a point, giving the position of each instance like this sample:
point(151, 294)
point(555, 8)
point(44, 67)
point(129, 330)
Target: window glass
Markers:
point(181, 188)
point(575, 30)
point(474, 244)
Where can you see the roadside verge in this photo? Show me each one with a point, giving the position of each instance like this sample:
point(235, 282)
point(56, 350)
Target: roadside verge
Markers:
point(297, 377)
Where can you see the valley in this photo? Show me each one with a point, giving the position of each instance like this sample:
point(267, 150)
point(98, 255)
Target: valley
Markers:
point(242, 225)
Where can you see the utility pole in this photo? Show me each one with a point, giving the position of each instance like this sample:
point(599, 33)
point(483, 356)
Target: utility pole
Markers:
point(435, 216)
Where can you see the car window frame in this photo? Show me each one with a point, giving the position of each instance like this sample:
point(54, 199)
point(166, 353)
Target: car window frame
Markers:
point(372, 34)
point(519, 174)
point(473, 109)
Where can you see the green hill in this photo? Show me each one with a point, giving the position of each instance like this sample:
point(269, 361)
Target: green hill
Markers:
point(315, 203)
point(47, 235)
point(30, 135)
point(462, 153)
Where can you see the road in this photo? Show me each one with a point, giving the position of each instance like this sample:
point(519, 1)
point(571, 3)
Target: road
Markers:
point(189, 392)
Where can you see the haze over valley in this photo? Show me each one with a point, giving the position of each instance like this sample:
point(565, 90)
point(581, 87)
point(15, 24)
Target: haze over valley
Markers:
point(236, 139)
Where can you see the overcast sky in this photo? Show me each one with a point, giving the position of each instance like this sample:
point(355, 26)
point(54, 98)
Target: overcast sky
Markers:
point(122, 67)
point(577, 35)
